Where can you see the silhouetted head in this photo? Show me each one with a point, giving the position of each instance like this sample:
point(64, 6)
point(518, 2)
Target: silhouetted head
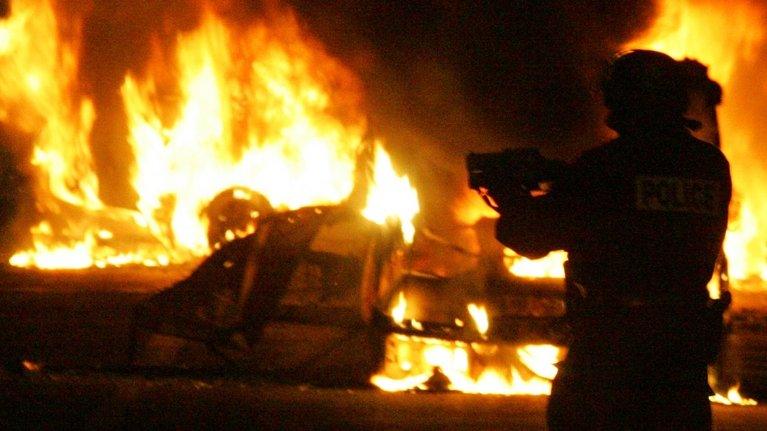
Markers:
point(643, 88)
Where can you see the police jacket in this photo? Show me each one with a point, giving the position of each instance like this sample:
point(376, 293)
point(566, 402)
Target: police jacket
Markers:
point(642, 215)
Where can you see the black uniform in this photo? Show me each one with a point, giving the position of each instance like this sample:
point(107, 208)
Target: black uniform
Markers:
point(642, 218)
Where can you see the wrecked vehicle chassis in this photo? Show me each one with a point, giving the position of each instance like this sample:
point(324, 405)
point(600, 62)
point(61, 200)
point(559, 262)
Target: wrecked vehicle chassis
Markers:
point(308, 298)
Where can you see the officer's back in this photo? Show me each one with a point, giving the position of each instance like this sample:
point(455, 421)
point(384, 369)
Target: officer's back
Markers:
point(647, 220)
point(653, 213)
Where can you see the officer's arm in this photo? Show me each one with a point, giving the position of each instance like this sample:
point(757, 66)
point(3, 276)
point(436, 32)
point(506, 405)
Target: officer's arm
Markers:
point(535, 226)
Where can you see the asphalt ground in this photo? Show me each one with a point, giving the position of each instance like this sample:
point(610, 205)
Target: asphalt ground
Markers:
point(72, 328)
point(100, 400)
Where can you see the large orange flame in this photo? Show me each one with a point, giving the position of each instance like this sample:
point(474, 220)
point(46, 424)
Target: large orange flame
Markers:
point(255, 111)
point(258, 106)
point(728, 37)
point(391, 197)
point(39, 95)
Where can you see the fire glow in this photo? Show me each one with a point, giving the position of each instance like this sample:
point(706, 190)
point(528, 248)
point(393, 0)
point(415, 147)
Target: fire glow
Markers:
point(727, 37)
point(550, 266)
point(413, 362)
point(391, 198)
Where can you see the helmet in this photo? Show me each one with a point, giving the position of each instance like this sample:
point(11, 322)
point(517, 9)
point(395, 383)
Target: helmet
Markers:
point(646, 83)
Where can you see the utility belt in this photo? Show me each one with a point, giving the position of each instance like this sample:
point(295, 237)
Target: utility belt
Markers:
point(589, 302)
point(618, 285)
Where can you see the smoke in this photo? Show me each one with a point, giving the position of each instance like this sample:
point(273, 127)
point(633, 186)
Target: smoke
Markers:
point(445, 78)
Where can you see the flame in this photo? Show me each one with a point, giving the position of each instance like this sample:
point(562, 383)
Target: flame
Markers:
point(550, 266)
point(89, 252)
point(284, 144)
point(38, 93)
point(728, 37)
point(391, 198)
point(744, 252)
point(481, 368)
point(733, 397)
point(720, 34)
point(714, 286)
point(481, 320)
point(426, 363)
point(471, 208)
point(541, 359)
point(258, 106)
point(399, 309)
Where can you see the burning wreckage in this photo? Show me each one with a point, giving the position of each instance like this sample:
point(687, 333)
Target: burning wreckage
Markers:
point(316, 291)
point(323, 295)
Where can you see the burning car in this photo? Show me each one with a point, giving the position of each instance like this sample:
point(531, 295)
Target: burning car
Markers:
point(323, 295)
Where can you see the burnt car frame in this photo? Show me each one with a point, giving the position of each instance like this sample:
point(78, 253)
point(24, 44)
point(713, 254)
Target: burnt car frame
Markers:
point(307, 298)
